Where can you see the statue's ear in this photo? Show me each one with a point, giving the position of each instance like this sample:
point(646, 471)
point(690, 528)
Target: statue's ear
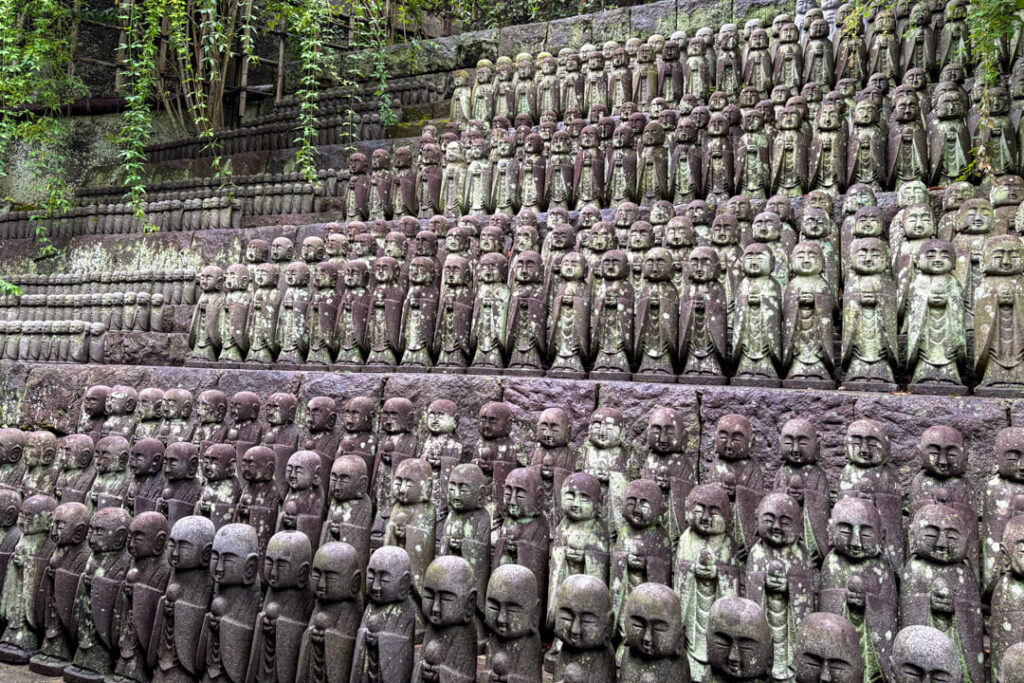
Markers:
point(15, 452)
point(357, 582)
point(316, 476)
point(404, 584)
point(160, 542)
point(130, 405)
point(193, 466)
point(252, 565)
point(303, 575)
point(1004, 558)
point(332, 421)
point(121, 537)
point(207, 553)
point(81, 531)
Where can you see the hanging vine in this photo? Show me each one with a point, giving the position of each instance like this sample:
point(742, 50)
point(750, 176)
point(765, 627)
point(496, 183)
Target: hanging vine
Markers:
point(309, 22)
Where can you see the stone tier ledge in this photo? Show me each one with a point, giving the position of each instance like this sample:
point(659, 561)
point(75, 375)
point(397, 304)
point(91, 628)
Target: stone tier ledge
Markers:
point(45, 396)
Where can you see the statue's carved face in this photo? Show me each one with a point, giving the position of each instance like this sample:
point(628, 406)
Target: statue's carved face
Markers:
point(657, 265)
point(907, 109)
point(652, 621)
point(108, 532)
point(388, 577)
point(465, 488)
point(936, 258)
point(757, 262)
point(733, 438)
point(348, 479)
point(708, 510)
point(767, 227)
point(280, 409)
point(869, 257)
point(302, 472)
point(606, 430)
point(511, 607)
point(286, 564)
point(942, 452)
point(798, 442)
point(866, 444)
point(665, 432)
point(584, 616)
point(806, 260)
point(703, 265)
point(939, 534)
point(778, 520)
point(411, 484)
point(520, 496)
point(739, 643)
point(1010, 454)
point(855, 529)
point(918, 222)
point(865, 113)
point(642, 503)
point(1005, 257)
point(335, 575)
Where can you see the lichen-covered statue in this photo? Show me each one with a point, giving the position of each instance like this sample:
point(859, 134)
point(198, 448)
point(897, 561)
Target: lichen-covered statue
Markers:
point(19, 608)
point(739, 642)
point(934, 323)
point(740, 474)
point(383, 649)
point(859, 582)
point(999, 319)
point(584, 624)
point(757, 326)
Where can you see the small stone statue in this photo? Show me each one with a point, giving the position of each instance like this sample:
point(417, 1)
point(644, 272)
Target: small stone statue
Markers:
point(934, 323)
point(320, 421)
point(412, 522)
point(419, 315)
point(869, 319)
point(42, 468)
point(19, 608)
point(739, 642)
point(998, 309)
point(448, 605)
point(233, 316)
point(302, 507)
point(397, 444)
point(654, 636)
point(757, 326)
point(110, 486)
point(604, 456)
point(286, 609)
point(383, 649)
point(705, 568)
point(96, 612)
point(998, 505)
point(642, 551)
point(12, 462)
point(938, 586)
point(568, 335)
point(733, 468)
point(120, 409)
point(526, 328)
point(524, 536)
point(1005, 620)
point(858, 581)
point(442, 450)
point(454, 316)
point(357, 437)
point(228, 628)
point(94, 411)
point(349, 511)
point(10, 533)
point(58, 587)
point(146, 463)
point(584, 625)
point(665, 462)
point(807, 305)
point(76, 477)
point(292, 334)
point(514, 649)
point(490, 314)
point(321, 320)
point(203, 332)
point(926, 649)
point(211, 409)
point(780, 577)
point(263, 313)
point(176, 409)
point(182, 487)
point(221, 488)
point(259, 501)
point(144, 586)
point(325, 653)
point(703, 320)
point(612, 319)
point(180, 611)
point(657, 318)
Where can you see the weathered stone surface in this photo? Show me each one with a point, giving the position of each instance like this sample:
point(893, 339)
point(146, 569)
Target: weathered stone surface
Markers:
point(692, 14)
point(146, 348)
point(476, 45)
point(53, 397)
point(263, 383)
point(656, 17)
point(12, 387)
point(529, 397)
point(341, 386)
point(572, 32)
point(530, 38)
point(742, 10)
point(612, 25)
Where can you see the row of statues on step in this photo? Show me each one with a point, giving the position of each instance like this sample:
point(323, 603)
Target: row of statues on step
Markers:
point(616, 299)
point(56, 341)
point(134, 599)
point(788, 145)
point(858, 545)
